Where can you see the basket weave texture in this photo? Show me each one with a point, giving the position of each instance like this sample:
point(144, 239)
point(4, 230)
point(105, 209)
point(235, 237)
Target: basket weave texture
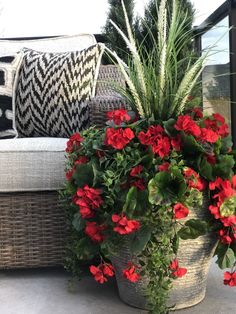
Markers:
point(195, 255)
point(32, 230)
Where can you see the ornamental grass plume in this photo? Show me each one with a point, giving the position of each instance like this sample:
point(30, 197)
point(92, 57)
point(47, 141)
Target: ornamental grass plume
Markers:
point(155, 89)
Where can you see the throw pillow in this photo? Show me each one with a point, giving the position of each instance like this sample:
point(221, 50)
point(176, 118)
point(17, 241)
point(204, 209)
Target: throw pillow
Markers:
point(8, 67)
point(52, 89)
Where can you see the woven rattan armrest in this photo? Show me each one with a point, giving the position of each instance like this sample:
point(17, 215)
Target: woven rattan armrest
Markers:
point(100, 105)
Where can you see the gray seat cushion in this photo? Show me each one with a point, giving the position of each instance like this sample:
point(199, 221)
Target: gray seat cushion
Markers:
point(32, 164)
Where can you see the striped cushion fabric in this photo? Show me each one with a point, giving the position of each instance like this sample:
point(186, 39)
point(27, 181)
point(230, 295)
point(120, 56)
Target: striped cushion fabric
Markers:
point(8, 68)
point(52, 89)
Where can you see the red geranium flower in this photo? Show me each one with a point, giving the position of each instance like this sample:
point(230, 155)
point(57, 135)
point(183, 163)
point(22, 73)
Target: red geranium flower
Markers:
point(118, 116)
point(124, 225)
point(197, 113)
point(224, 187)
point(229, 221)
point(152, 135)
point(230, 279)
point(87, 199)
point(164, 167)
point(180, 211)
point(119, 138)
point(140, 184)
point(193, 179)
point(215, 211)
point(208, 135)
point(74, 142)
point(94, 231)
point(217, 124)
point(211, 159)
point(186, 124)
point(224, 237)
point(108, 270)
point(81, 160)
point(85, 211)
point(69, 174)
point(176, 270)
point(161, 147)
point(98, 274)
point(90, 196)
point(130, 273)
point(136, 171)
point(176, 142)
point(101, 272)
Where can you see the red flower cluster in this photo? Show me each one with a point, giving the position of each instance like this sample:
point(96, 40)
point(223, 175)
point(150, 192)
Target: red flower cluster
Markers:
point(180, 211)
point(217, 124)
point(88, 199)
point(209, 135)
point(119, 138)
point(224, 189)
point(164, 167)
point(74, 143)
point(80, 160)
point(215, 127)
point(188, 125)
point(102, 271)
point(130, 273)
point(139, 183)
point(94, 231)
point(156, 137)
point(136, 171)
point(124, 225)
point(197, 113)
point(176, 270)
point(230, 279)
point(193, 179)
point(118, 116)
point(227, 236)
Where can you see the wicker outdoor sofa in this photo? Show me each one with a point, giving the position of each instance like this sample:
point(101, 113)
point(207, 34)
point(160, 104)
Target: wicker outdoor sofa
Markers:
point(32, 223)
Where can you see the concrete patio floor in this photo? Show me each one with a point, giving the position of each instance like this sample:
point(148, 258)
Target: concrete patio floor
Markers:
point(45, 291)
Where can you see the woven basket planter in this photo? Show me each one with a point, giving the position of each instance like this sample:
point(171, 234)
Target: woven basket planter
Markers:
point(32, 230)
point(195, 255)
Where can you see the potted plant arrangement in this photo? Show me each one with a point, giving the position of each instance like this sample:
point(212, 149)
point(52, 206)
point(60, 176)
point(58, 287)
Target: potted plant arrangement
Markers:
point(153, 193)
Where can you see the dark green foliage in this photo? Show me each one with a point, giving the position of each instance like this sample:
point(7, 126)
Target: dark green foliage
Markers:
point(113, 40)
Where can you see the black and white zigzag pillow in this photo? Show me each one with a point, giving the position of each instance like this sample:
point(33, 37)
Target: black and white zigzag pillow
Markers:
point(52, 89)
point(8, 67)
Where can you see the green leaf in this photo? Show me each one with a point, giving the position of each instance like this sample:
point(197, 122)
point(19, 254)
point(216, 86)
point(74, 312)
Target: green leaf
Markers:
point(96, 173)
point(157, 188)
point(139, 239)
point(190, 145)
point(175, 243)
point(78, 222)
point(83, 175)
point(228, 207)
point(147, 160)
point(223, 168)
point(169, 127)
point(131, 201)
point(142, 203)
point(226, 257)
point(70, 187)
point(86, 249)
point(205, 169)
point(226, 144)
point(193, 229)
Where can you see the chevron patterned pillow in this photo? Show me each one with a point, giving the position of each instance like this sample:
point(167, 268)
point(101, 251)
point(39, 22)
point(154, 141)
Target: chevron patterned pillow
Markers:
point(8, 68)
point(52, 89)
